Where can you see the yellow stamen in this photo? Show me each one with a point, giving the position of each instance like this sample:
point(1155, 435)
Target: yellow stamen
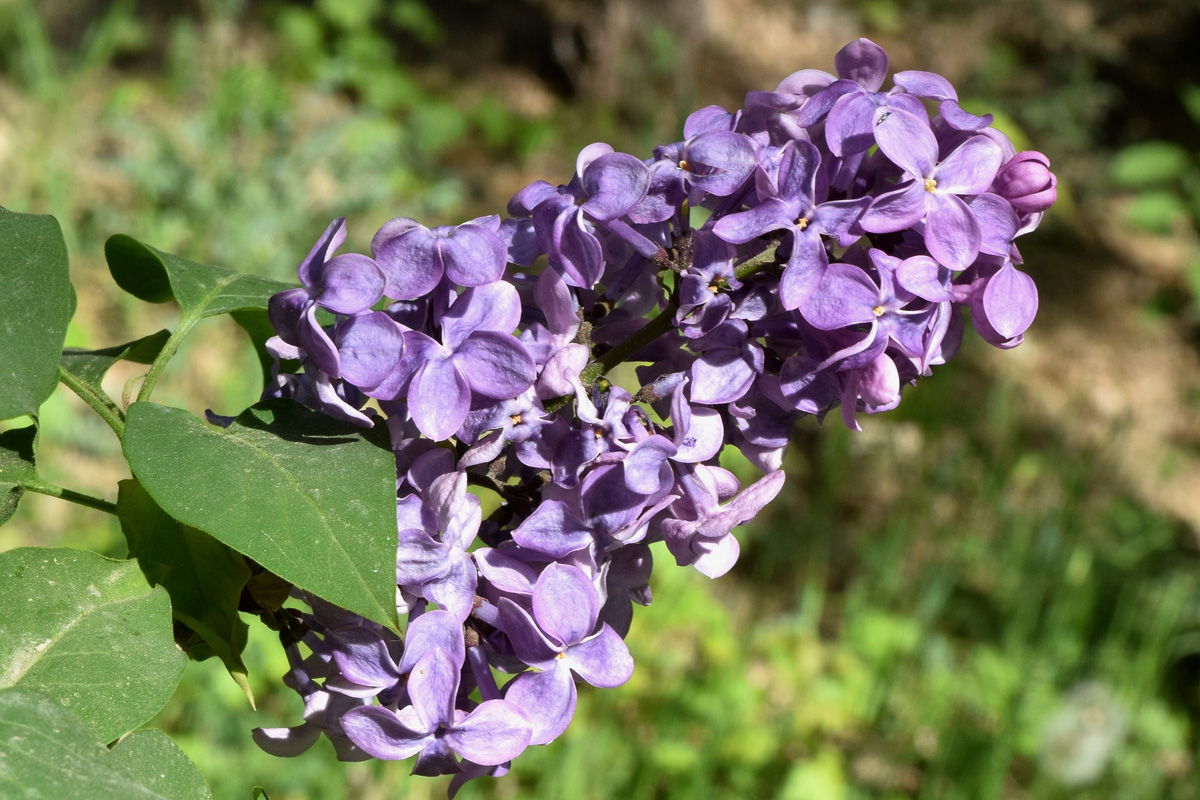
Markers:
point(930, 184)
point(684, 165)
point(802, 223)
point(877, 311)
point(515, 419)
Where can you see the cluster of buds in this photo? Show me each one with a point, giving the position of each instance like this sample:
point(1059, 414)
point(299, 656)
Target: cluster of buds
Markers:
point(813, 250)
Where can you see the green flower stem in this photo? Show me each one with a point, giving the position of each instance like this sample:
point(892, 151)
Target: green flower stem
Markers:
point(71, 496)
point(644, 336)
point(100, 403)
point(168, 351)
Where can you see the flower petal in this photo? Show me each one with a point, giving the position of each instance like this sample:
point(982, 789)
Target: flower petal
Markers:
point(547, 698)
point(380, 733)
point(439, 398)
point(602, 660)
point(565, 603)
point(492, 734)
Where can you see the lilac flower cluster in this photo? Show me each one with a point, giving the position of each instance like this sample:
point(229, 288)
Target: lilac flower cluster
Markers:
point(814, 249)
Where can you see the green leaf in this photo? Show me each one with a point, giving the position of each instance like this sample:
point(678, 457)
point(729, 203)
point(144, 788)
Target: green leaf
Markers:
point(201, 290)
point(88, 632)
point(17, 467)
point(90, 366)
point(1147, 164)
point(1156, 211)
point(48, 752)
point(158, 764)
point(260, 794)
point(309, 498)
point(203, 576)
point(37, 308)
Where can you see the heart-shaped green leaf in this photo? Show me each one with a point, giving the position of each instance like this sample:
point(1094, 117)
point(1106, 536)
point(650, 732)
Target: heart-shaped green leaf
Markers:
point(48, 752)
point(310, 498)
point(88, 632)
point(201, 290)
point(203, 576)
point(17, 467)
point(37, 307)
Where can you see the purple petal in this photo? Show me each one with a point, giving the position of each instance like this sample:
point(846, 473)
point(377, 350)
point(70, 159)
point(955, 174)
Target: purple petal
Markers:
point(862, 61)
point(804, 271)
point(602, 660)
point(350, 284)
point(390, 230)
point(528, 641)
point(432, 687)
point(287, 742)
point(703, 437)
point(495, 307)
point(614, 183)
point(770, 215)
point(970, 168)
point(455, 590)
point(473, 255)
point(310, 268)
point(709, 118)
point(369, 348)
point(715, 557)
point(797, 176)
point(433, 629)
point(954, 115)
point(720, 376)
point(552, 529)
point(362, 656)
point(284, 309)
point(896, 210)
point(439, 398)
point(925, 84)
point(1010, 301)
point(998, 223)
point(846, 297)
point(504, 572)
point(380, 733)
point(492, 734)
point(727, 158)
point(419, 557)
point(925, 278)
point(410, 263)
point(849, 128)
point(565, 603)
point(548, 700)
point(644, 462)
point(496, 365)
point(556, 301)
point(907, 140)
point(317, 344)
point(951, 232)
point(579, 251)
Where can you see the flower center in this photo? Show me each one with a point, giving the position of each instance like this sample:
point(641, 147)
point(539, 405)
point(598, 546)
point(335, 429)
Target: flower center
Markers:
point(684, 165)
point(560, 656)
point(515, 419)
point(877, 311)
point(801, 223)
point(930, 185)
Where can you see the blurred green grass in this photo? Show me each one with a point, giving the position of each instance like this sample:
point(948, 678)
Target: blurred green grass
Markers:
point(956, 603)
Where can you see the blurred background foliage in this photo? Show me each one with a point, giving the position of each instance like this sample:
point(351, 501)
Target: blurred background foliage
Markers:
point(992, 592)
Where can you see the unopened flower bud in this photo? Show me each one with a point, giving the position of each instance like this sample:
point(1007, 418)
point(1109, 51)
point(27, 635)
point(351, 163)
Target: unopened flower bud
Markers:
point(1027, 182)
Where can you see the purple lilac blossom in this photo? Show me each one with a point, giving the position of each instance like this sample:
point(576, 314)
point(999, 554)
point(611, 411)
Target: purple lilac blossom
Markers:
point(823, 275)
